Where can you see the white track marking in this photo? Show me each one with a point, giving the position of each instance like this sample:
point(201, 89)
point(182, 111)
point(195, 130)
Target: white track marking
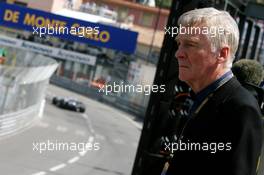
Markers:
point(55, 168)
point(40, 173)
point(89, 123)
point(75, 159)
point(82, 153)
point(90, 140)
point(61, 129)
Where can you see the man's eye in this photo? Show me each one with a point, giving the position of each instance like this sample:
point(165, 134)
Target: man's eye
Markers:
point(190, 45)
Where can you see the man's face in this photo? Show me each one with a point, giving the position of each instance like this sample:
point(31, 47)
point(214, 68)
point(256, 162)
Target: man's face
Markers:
point(195, 58)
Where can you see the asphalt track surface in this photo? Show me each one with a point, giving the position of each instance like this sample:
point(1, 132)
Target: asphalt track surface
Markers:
point(54, 144)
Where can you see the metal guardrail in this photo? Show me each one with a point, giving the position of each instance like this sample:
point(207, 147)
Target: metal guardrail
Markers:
point(23, 81)
point(17, 121)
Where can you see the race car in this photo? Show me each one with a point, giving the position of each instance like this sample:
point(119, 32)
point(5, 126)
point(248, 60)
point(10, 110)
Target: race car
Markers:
point(68, 103)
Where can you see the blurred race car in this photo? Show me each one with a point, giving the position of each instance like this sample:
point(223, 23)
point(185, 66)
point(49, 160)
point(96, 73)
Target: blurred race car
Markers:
point(68, 103)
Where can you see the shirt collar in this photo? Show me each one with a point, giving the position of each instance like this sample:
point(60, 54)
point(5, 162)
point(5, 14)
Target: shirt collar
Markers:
point(213, 86)
point(200, 96)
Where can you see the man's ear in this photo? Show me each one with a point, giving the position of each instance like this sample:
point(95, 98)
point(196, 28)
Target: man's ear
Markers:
point(223, 55)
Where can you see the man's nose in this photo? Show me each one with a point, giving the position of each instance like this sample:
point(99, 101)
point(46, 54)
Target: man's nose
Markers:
point(180, 53)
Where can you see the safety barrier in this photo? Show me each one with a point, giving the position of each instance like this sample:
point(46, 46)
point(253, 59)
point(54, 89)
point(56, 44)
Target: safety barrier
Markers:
point(20, 120)
point(22, 88)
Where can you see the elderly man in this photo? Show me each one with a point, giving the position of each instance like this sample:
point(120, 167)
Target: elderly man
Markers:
point(223, 133)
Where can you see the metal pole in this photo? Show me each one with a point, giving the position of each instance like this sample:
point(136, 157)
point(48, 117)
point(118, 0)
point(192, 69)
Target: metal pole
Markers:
point(155, 30)
point(260, 47)
point(4, 100)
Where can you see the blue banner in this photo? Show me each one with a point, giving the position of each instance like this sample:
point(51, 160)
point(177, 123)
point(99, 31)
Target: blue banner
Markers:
point(43, 23)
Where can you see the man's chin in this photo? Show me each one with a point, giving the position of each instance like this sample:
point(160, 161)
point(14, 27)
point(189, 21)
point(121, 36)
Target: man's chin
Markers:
point(183, 77)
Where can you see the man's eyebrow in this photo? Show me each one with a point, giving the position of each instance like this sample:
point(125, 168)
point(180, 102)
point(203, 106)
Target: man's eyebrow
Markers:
point(194, 41)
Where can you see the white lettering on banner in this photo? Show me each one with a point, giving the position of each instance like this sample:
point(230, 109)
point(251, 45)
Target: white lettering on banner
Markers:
point(38, 48)
point(8, 42)
point(76, 56)
point(47, 50)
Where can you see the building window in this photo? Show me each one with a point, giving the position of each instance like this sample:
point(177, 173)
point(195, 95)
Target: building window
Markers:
point(147, 19)
point(68, 65)
point(122, 14)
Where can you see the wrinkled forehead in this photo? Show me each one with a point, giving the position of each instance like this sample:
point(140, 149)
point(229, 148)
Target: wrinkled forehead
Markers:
point(193, 37)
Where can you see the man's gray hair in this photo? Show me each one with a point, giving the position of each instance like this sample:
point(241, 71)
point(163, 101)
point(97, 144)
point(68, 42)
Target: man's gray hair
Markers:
point(213, 18)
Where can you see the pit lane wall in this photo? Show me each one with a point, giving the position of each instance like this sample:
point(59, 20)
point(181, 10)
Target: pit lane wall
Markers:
point(23, 82)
